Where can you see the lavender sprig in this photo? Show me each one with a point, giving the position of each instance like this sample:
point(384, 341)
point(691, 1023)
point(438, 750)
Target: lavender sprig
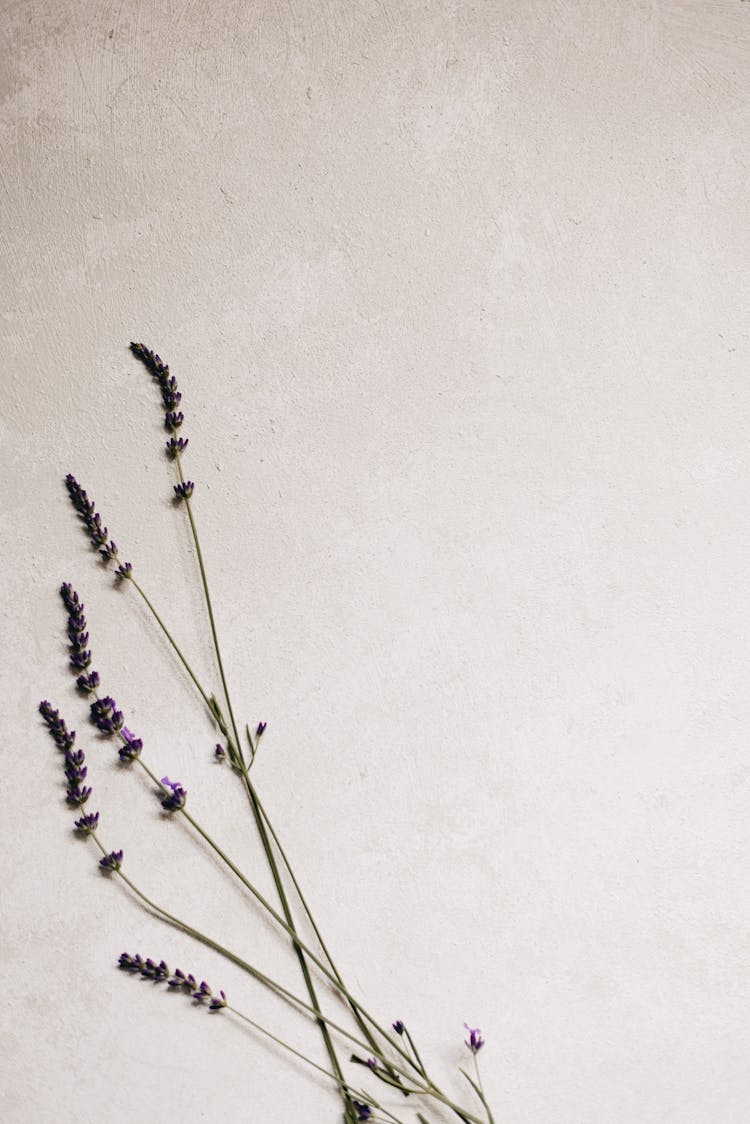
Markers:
point(104, 713)
point(74, 763)
point(170, 395)
point(91, 519)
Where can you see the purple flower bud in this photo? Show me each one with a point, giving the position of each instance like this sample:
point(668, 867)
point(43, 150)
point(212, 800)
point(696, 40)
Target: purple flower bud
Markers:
point(173, 421)
point(260, 729)
point(88, 824)
point(372, 1064)
point(105, 715)
point(218, 1002)
point(475, 1040)
point(131, 748)
point(176, 445)
point(88, 682)
point(220, 753)
point(125, 570)
point(175, 799)
point(398, 1026)
point(112, 861)
point(203, 991)
point(185, 490)
point(364, 1112)
point(153, 971)
point(130, 963)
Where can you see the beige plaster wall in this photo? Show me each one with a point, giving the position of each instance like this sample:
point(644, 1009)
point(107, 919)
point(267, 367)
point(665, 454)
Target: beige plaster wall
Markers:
point(456, 294)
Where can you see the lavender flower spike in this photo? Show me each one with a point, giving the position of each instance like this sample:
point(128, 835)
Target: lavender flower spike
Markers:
point(78, 638)
point(175, 799)
point(91, 519)
point(170, 395)
point(475, 1040)
point(74, 763)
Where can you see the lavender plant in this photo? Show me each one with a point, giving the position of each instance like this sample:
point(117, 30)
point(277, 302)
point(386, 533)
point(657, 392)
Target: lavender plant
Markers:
point(388, 1054)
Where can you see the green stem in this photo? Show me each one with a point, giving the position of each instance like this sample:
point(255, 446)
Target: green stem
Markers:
point(420, 1063)
point(171, 639)
point(209, 606)
point(278, 988)
point(289, 919)
point(252, 792)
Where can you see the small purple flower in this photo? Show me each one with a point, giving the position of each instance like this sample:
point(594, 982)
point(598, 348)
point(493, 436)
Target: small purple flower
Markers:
point(475, 1040)
point(130, 963)
point(184, 490)
point(179, 979)
point(150, 970)
point(175, 799)
point(218, 1002)
point(203, 991)
point(261, 729)
point(220, 753)
point(112, 861)
point(125, 570)
point(105, 715)
point(364, 1112)
point(88, 824)
point(88, 683)
point(399, 1027)
point(131, 748)
point(176, 445)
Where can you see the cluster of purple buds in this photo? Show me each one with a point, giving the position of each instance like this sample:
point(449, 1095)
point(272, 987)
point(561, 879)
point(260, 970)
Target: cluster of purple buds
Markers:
point(124, 570)
point(75, 774)
point(364, 1112)
point(170, 395)
point(75, 762)
point(63, 738)
point(88, 824)
point(131, 747)
point(184, 490)
point(78, 638)
point(475, 1040)
point(105, 715)
point(399, 1027)
point(112, 861)
point(160, 973)
point(91, 519)
point(175, 799)
point(88, 683)
point(176, 445)
point(149, 969)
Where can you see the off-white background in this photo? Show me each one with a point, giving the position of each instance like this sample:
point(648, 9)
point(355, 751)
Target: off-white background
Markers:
point(457, 297)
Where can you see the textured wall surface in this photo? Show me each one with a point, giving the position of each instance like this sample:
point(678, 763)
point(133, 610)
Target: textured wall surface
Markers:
point(457, 295)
